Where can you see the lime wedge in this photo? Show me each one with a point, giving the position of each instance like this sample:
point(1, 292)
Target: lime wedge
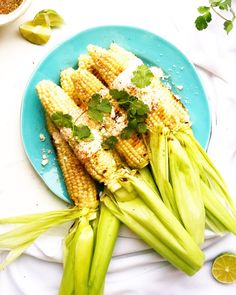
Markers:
point(37, 34)
point(48, 17)
point(224, 268)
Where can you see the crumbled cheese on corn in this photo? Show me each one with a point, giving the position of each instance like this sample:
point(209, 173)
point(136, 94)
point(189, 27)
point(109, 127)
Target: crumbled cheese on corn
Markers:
point(149, 94)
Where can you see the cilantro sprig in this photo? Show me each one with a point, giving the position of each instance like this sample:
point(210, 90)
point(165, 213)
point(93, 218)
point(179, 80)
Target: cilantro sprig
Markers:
point(142, 77)
point(136, 112)
point(65, 120)
point(97, 107)
point(216, 6)
point(109, 143)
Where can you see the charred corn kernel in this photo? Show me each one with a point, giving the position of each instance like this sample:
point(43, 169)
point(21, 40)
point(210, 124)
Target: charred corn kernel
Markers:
point(85, 62)
point(80, 186)
point(67, 83)
point(85, 85)
point(105, 63)
point(99, 163)
point(132, 150)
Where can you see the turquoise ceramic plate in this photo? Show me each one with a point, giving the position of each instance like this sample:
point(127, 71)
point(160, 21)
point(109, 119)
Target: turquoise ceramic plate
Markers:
point(149, 47)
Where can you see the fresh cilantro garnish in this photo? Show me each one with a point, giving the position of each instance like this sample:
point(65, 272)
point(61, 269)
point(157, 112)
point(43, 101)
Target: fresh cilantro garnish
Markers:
point(62, 120)
point(126, 133)
point(136, 112)
point(81, 132)
point(216, 6)
point(142, 77)
point(97, 107)
point(65, 120)
point(109, 143)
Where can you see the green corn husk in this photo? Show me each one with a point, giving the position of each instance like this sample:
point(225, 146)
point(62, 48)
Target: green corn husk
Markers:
point(107, 232)
point(87, 253)
point(146, 175)
point(19, 239)
point(159, 161)
point(84, 244)
point(67, 285)
point(137, 206)
point(186, 187)
point(220, 209)
point(169, 164)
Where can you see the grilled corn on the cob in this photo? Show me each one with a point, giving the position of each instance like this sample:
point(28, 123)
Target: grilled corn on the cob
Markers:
point(182, 251)
point(132, 150)
point(168, 113)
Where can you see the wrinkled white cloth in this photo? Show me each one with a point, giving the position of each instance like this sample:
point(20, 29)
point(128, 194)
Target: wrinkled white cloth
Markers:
point(134, 269)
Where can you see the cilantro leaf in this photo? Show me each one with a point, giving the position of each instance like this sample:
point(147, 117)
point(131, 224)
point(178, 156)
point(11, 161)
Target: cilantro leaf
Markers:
point(225, 5)
point(228, 26)
point(203, 9)
point(104, 106)
point(81, 131)
point(109, 143)
point(142, 77)
point(201, 23)
point(97, 106)
point(208, 17)
point(62, 120)
point(95, 115)
point(142, 128)
point(119, 94)
point(215, 6)
point(126, 133)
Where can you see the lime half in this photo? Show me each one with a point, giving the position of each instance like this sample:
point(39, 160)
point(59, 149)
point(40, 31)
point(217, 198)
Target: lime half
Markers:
point(37, 34)
point(48, 17)
point(224, 268)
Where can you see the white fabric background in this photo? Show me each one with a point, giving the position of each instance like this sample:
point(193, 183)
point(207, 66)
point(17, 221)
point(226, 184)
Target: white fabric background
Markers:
point(134, 269)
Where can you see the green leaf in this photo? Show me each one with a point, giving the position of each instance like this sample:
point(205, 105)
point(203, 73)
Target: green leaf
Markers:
point(228, 26)
point(104, 106)
point(116, 94)
point(142, 77)
point(126, 133)
point(142, 128)
point(201, 23)
point(225, 5)
point(109, 143)
point(62, 120)
point(203, 9)
point(81, 131)
point(208, 17)
point(97, 106)
point(215, 3)
point(95, 115)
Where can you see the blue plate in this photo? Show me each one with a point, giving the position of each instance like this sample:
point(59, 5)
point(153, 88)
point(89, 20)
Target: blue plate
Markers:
point(149, 47)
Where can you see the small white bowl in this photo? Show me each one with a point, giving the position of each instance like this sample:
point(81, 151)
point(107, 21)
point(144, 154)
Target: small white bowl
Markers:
point(19, 11)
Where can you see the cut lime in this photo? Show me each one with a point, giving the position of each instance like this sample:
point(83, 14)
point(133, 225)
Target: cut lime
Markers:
point(48, 17)
point(37, 34)
point(224, 268)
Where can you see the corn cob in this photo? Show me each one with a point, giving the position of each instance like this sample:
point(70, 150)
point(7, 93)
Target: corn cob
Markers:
point(98, 162)
point(167, 112)
point(67, 84)
point(85, 62)
point(181, 249)
point(80, 186)
point(124, 57)
point(132, 150)
point(84, 245)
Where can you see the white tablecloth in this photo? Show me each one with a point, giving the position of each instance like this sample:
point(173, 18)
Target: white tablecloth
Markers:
point(134, 269)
